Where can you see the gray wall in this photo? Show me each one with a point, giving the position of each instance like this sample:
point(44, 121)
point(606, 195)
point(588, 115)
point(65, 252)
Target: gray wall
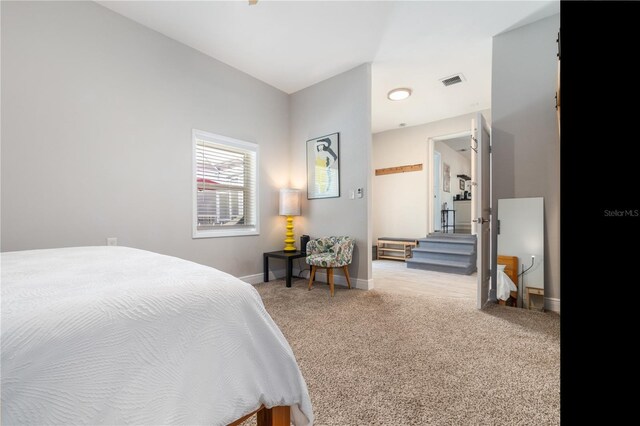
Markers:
point(97, 113)
point(526, 146)
point(339, 104)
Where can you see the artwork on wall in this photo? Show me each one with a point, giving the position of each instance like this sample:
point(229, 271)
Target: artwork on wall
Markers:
point(323, 167)
point(461, 185)
point(446, 177)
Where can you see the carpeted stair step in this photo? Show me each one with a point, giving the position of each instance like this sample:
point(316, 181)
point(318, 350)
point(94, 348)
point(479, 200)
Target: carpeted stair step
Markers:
point(442, 265)
point(447, 245)
point(436, 255)
point(451, 253)
point(447, 235)
point(459, 249)
point(452, 263)
point(451, 240)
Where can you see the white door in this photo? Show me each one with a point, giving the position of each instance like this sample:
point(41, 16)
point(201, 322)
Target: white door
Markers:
point(436, 191)
point(481, 203)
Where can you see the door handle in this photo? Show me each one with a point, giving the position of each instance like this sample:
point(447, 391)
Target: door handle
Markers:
point(480, 220)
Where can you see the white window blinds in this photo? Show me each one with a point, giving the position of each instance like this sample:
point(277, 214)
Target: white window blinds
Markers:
point(225, 174)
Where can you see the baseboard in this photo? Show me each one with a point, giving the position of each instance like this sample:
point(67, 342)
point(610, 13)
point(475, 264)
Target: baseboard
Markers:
point(364, 284)
point(552, 304)
point(258, 278)
point(279, 274)
point(342, 281)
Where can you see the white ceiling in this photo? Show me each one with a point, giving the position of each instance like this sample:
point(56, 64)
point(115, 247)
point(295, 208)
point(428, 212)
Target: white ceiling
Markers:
point(295, 44)
point(463, 142)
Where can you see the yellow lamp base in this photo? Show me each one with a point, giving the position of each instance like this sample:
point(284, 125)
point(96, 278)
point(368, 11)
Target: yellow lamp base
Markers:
point(289, 242)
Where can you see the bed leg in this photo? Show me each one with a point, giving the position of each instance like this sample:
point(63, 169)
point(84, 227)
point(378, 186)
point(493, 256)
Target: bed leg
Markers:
point(276, 416)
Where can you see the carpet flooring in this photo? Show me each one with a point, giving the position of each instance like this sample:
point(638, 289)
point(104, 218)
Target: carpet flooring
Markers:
point(378, 358)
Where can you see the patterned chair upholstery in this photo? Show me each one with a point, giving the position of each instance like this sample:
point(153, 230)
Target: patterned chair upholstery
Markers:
point(329, 253)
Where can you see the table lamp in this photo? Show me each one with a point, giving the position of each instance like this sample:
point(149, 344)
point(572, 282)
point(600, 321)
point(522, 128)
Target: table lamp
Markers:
point(289, 207)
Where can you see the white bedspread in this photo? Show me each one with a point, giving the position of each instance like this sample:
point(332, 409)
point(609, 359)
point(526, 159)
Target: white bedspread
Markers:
point(115, 335)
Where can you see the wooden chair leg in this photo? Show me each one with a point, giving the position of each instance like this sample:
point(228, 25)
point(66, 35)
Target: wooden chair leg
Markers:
point(312, 275)
point(330, 274)
point(346, 274)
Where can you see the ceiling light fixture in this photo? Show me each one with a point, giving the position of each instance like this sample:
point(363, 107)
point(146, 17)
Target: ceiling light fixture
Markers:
point(399, 94)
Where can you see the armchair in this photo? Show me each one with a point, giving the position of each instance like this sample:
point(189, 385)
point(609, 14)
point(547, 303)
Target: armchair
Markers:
point(329, 253)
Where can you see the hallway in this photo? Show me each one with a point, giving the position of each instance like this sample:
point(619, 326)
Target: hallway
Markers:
point(394, 276)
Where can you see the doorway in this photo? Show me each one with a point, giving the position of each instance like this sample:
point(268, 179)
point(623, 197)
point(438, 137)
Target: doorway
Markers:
point(478, 172)
point(416, 216)
point(450, 155)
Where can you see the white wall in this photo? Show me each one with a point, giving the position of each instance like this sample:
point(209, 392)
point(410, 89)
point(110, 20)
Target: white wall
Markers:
point(522, 235)
point(339, 104)
point(97, 113)
point(459, 165)
point(526, 147)
point(400, 200)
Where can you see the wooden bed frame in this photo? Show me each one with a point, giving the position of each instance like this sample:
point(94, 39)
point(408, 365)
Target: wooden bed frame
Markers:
point(275, 416)
point(511, 269)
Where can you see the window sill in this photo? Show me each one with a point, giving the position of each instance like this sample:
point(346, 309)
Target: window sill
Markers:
point(216, 233)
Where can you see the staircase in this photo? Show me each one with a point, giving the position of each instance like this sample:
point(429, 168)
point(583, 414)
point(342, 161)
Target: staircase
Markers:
point(451, 253)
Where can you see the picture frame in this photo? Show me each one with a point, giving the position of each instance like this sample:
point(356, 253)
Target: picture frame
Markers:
point(323, 167)
point(461, 185)
point(446, 177)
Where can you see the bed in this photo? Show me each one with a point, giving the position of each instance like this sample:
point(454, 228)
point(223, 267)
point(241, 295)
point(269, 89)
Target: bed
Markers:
point(116, 335)
point(507, 279)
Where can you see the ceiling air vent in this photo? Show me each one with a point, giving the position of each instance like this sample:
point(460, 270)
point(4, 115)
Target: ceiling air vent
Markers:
point(454, 79)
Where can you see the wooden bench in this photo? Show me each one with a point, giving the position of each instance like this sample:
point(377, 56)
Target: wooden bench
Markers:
point(395, 248)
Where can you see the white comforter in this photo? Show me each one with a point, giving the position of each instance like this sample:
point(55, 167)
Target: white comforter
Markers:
point(115, 335)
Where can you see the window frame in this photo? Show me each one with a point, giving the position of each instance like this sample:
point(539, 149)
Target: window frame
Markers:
point(234, 143)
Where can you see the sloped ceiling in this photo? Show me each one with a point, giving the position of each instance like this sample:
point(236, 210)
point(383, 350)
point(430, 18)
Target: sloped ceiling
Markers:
point(294, 44)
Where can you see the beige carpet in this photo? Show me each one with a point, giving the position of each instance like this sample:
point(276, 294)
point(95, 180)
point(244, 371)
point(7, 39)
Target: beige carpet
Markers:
point(374, 358)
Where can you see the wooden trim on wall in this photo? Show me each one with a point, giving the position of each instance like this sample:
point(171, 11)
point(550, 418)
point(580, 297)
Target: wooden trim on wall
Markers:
point(399, 169)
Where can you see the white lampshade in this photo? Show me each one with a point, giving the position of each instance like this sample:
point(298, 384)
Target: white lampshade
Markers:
point(289, 202)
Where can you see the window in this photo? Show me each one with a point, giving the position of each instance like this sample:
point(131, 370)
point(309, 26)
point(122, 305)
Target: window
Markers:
point(225, 181)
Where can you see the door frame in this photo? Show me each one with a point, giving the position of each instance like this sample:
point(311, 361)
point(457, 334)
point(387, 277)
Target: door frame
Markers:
point(432, 209)
point(436, 170)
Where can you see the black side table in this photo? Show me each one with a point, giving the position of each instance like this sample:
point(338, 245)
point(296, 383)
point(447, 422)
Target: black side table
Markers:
point(281, 254)
point(445, 220)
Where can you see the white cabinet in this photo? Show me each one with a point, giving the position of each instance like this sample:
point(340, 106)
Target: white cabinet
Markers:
point(463, 216)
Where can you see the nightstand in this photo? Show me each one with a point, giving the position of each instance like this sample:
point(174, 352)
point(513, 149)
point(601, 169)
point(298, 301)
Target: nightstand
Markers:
point(534, 291)
point(281, 254)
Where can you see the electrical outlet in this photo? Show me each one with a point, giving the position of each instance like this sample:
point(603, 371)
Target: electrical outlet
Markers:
point(112, 241)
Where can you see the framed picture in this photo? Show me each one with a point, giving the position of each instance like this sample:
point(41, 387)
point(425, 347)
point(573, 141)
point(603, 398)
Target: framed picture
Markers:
point(323, 167)
point(446, 177)
point(461, 184)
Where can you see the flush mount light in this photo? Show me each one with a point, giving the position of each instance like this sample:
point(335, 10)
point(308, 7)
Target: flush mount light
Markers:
point(399, 94)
